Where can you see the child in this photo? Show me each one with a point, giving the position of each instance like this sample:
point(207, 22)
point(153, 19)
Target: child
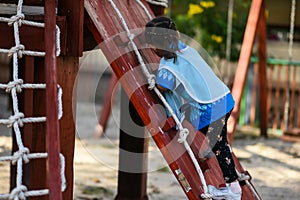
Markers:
point(208, 100)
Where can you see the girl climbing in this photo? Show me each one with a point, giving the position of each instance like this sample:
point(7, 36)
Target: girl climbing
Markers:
point(208, 101)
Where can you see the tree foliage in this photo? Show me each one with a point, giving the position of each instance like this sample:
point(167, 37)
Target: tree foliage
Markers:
point(206, 21)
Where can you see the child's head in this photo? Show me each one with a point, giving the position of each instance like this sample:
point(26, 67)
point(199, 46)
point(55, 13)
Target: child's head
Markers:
point(161, 33)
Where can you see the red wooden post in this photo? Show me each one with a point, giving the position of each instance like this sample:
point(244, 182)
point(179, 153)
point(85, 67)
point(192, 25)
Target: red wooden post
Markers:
point(243, 64)
point(262, 63)
point(54, 177)
point(68, 67)
point(106, 107)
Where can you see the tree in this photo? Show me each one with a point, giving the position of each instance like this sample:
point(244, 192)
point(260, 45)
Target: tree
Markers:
point(206, 21)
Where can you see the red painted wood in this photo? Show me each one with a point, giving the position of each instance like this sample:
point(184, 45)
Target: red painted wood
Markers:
point(243, 64)
point(28, 2)
point(29, 32)
point(106, 107)
point(104, 25)
point(247, 194)
point(68, 67)
point(52, 124)
point(262, 71)
point(74, 12)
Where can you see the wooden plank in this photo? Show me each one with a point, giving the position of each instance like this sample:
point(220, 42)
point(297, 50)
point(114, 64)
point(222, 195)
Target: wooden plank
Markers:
point(52, 124)
point(254, 95)
point(29, 32)
point(28, 2)
point(157, 10)
point(262, 63)
point(277, 99)
point(270, 92)
point(11, 9)
point(293, 98)
point(106, 107)
point(68, 67)
point(285, 95)
point(243, 64)
point(36, 172)
point(290, 138)
point(74, 12)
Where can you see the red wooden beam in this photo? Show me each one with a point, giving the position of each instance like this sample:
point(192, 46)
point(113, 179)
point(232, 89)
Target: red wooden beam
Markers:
point(29, 32)
point(52, 125)
point(243, 65)
point(262, 63)
point(74, 11)
point(106, 107)
point(27, 2)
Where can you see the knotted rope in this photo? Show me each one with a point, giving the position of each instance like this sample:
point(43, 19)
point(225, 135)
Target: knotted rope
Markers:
point(17, 119)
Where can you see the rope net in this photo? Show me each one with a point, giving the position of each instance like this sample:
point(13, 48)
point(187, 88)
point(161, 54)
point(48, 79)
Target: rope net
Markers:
point(23, 156)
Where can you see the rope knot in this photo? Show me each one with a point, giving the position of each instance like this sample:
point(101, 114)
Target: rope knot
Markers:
point(14, 84)
point(22, 153)
point(18, 193)
point(183, 135)
point(16, 18)
point(243, 177)
point(16, 118)
point(206, 196)
point(17, 49)
point(151, 81)
point(131, 36)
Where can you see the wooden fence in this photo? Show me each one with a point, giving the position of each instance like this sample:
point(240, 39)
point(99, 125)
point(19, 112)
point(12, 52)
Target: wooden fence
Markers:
point(283, 103)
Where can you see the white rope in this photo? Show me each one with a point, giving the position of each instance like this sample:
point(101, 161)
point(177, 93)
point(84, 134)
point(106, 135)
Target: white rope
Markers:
point(17, 119)
point(19, 19)
point(292, 26)
point(183, 132)
point(290, 54)
point(246, 178)
point(144, 8)
point(163, 3)
point(229, 36)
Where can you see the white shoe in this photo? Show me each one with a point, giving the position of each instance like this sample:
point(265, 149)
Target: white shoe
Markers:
point(243, 177)
point(224, 193)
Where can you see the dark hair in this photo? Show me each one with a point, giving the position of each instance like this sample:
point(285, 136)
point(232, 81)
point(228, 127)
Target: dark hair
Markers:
point(161, 32)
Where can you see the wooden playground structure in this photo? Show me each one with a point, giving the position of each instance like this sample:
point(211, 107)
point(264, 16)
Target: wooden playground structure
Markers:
point(56, 135)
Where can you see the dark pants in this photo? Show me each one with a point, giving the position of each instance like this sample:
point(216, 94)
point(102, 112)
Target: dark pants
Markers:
point(216, 132)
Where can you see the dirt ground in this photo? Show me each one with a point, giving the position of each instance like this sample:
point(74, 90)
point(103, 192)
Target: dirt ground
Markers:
point(273, 164)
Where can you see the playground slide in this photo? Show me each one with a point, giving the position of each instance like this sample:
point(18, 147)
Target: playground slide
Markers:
point(104, 22)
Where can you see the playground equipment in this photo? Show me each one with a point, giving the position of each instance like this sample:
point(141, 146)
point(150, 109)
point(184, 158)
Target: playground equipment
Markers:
point(110, 22)
point(136, 87)
point(282, 94)
point(27, 39)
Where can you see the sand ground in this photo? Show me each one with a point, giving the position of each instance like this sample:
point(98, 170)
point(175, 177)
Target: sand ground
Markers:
point(273, 163)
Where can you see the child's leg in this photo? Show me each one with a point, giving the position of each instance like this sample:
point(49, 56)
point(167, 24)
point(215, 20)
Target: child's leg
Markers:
point(217, 135)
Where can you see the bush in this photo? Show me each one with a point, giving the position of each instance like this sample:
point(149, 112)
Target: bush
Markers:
point(206, 21)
